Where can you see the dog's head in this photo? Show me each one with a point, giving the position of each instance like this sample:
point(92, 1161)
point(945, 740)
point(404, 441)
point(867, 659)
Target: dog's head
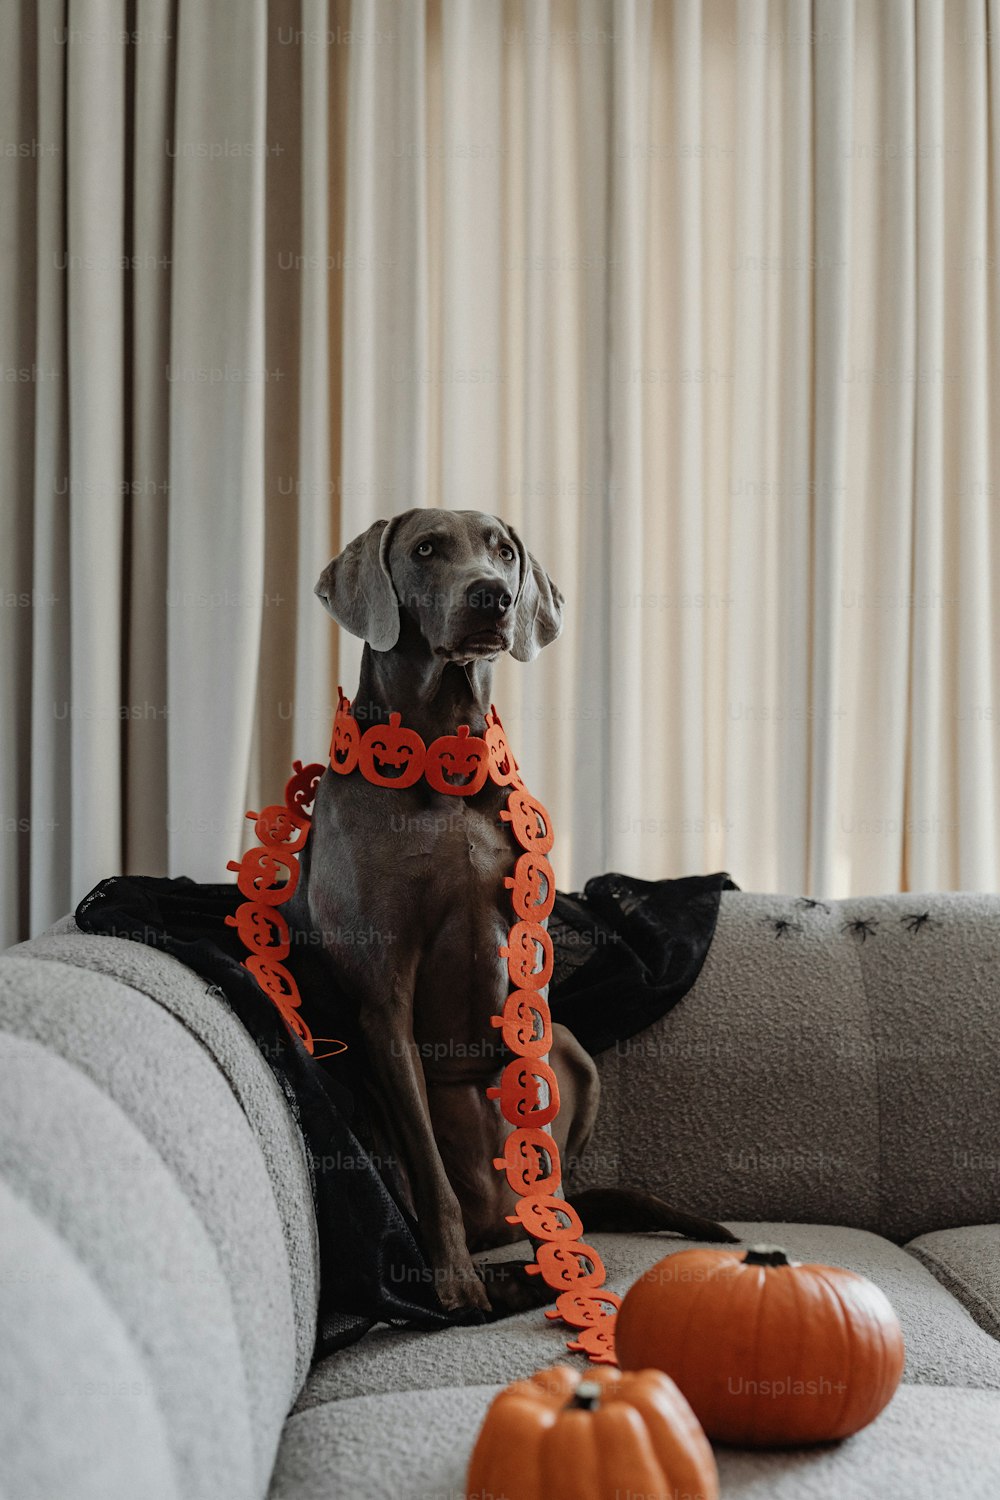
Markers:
point(466, 579)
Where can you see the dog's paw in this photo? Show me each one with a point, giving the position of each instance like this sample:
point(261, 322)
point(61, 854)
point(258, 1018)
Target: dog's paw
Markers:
point(511, 1290)
point(460, 1289)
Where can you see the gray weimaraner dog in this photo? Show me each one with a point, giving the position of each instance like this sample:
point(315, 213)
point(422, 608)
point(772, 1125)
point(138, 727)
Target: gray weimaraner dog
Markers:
point(437, 596)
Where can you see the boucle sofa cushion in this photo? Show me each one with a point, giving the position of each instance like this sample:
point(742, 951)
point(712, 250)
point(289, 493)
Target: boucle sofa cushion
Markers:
point(967, 1262)
point(929, 1443)
point(943, 1344)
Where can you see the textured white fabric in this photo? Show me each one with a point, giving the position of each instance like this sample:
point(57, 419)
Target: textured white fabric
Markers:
point(710, 290)
point(700, 294)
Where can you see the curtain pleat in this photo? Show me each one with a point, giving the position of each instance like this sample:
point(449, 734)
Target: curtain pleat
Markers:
point(147, 230)
point(95, 176)
point(45, 759)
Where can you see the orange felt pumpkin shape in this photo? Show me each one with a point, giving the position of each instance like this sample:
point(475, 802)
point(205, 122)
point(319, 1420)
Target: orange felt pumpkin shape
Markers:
point(532, 887)
point(593, 1437)
point(527, 1023)
point(300, 788)
point(522, 954)
point(547, 1217)
point(261, 928)
point(391, 755)
point(567, 1263)
point(345, 740)
point(597, 1343)
point(531, 1161)
point(502, 765)
point(584, 1309)
point(529, 820)
point(282, 825)
point(769, 1352)
point(259, 870)
point(457, 763)
point(520, 1092)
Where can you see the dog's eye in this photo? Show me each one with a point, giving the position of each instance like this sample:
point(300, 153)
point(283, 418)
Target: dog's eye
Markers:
point(507, 553)
point(424, 549)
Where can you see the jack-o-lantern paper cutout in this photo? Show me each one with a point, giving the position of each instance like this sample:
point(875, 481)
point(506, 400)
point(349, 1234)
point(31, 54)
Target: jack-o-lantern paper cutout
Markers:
point(261, 928)
point(457, 764)
point(300, 788)
point(531, 1161)
point(528, 952)
point(529, 820)
point(597, 1343)
point(568, 1264)
point(528, 1092)
point(274, 979)
point(526, 1022)
point(502, 765)
point(390, 755)
point(547, 1217)
point(282, 825)
point(585, 1309)
point(259, 872)
point(345, 741)
point(532, 887)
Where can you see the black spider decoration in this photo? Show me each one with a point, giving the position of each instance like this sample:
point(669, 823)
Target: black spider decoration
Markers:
point(808, 904)
point(915, 920)
point(782, 925)
point(862, 927)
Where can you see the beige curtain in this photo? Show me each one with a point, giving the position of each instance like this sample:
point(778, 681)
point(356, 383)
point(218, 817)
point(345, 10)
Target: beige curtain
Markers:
point(169, 308)
point(703, 294)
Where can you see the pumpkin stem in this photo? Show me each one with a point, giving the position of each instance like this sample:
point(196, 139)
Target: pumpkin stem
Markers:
point(587, 1396)
point(765, 1255)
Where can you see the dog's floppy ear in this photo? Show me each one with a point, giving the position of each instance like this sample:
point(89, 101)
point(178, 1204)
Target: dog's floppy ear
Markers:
point(538, 607)
point(357, 589)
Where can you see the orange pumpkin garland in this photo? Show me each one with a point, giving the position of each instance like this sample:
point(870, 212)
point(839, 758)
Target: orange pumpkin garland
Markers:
point(457, 765)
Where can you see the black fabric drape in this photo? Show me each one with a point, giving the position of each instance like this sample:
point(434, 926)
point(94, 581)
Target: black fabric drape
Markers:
point(625, 950)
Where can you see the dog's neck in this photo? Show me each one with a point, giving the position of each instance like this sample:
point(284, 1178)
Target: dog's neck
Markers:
point(433, 695)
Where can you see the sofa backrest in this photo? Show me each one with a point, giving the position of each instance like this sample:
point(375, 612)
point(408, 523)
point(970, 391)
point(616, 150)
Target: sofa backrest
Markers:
point(824, 1071)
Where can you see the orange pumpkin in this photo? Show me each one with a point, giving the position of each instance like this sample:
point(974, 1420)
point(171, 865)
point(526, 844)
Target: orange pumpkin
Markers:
point(560, 1436)
point(769, 1352)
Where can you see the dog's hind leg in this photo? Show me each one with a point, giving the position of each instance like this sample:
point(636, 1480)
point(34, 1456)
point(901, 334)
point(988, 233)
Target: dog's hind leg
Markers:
point(620, 1210)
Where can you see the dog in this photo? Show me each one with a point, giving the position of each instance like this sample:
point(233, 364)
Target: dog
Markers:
point(437, 596)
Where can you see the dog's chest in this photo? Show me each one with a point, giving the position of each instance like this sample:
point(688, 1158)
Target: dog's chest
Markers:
point(455, 836)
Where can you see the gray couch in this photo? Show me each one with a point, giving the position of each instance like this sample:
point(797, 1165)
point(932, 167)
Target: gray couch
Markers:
point(829, 1086)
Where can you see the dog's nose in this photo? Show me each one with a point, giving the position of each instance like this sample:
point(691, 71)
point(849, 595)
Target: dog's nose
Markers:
point(489, 596)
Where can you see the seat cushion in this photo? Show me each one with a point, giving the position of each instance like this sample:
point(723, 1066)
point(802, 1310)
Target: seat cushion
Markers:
point(967, 1262)
point(927, 1444)
point(944, 1345)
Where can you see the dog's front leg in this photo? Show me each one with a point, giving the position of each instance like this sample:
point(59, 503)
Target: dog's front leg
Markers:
point(387, 1023)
